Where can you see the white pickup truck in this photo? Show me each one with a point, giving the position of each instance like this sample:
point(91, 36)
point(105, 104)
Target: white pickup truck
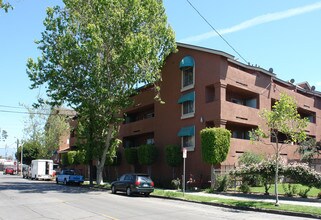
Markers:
point(69, 177)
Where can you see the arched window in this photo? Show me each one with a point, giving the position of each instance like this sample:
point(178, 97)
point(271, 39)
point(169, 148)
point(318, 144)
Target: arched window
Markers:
point(187, 66)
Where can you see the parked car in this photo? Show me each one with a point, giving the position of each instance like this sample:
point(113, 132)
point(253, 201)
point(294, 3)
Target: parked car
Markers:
point(68, 177)
point(133, 183)
point(9, 170)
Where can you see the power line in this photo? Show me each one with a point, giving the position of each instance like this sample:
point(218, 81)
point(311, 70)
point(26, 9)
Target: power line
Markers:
point(8, 106)
point(217, 32)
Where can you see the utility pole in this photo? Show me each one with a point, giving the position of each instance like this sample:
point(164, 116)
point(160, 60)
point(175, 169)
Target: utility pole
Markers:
point(21, 159)
point(17, 155)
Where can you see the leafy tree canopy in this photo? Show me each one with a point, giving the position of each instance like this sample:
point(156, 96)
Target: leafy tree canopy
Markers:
point(94, 54)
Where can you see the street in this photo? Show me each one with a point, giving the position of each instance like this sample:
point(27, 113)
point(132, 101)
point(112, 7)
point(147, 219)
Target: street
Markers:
point(28, 199)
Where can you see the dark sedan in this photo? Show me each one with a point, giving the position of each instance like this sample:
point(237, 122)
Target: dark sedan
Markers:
point(133, 183)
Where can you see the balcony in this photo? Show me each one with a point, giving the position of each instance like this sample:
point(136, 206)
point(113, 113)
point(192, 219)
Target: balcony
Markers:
point(311, 129)
point(239, 113)
point(137, 127)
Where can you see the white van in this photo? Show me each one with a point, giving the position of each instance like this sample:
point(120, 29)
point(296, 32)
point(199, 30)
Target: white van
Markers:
point(42, 169)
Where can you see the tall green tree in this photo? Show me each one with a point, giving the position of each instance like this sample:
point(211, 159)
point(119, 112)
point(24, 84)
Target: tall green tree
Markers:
point(31, 151)
point(147, 155)
point(173, 156)
point(94, 53)
point(56, 126)
point(282, 119)
point(215, 144)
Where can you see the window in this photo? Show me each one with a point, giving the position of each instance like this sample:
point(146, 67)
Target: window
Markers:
point(187, 73)
point(188, 107)
point(150, 141)
point(188, 141)
point(187, 66)
point(187, 135)
point(188, 104)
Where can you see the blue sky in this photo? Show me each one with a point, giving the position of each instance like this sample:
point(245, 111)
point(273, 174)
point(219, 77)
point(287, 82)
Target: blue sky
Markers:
point(284, 35)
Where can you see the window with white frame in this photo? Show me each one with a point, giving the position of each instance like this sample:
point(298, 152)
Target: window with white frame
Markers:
point(187, 135)
point(188, 142)
point(188, 76)
point(187, 67)
point(188, 107)
point(188, 104)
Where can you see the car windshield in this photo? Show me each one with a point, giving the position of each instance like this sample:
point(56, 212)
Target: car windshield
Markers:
point(69, 172)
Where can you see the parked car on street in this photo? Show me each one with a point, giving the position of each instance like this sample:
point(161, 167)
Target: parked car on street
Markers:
point(69, 177)
point(133, 183)
point(9, 170)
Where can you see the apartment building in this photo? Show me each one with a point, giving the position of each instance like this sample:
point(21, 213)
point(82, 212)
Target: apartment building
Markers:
point(201, 88)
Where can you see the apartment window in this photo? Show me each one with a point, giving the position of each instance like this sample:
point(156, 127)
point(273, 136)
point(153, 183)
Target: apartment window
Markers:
point(188, 142)
point(187, 73)
point(187, 135)
point(150, 141)
point(188, 104)
point(188, 107)
point(187, 66)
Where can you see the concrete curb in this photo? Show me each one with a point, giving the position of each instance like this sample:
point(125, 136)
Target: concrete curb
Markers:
point(280, 212)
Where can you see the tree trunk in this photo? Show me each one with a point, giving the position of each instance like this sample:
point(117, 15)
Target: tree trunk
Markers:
point(101, 162)
point(99, 174)
point(212, 177)
point(276, 175)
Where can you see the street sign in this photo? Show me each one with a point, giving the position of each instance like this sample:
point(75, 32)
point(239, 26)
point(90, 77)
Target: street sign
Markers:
point(184, 152)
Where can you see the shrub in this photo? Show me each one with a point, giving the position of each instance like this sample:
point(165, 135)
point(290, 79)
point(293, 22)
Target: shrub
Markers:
point(131, 155)
point(289, 190)
point(319, 195)
point(222, 183)
point(304, 192)
point(176, 183)
point(245, 188)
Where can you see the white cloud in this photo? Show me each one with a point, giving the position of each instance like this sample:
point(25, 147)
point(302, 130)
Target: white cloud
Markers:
point(262, 19)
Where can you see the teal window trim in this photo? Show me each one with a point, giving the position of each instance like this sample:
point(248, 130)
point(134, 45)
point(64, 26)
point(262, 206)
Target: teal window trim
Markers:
point(187, 97)
point(187, 61)
point(186, 131)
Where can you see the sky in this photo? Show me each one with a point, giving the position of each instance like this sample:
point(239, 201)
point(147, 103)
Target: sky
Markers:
point(283, 35)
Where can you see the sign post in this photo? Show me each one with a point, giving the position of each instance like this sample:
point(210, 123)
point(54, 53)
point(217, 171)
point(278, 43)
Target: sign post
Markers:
point(184, 157)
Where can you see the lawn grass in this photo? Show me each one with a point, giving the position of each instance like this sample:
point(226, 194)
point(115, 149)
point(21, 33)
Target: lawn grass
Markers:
point(312, 193)
point(240, 203)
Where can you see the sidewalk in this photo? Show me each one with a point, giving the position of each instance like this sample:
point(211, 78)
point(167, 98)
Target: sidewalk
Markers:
point(250, 197)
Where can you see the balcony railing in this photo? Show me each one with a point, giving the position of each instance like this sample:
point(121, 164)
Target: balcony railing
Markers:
point(137, 127)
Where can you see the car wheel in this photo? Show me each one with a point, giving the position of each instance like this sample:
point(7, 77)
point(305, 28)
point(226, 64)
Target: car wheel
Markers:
point(113, 190)
point(57, 180)
point(128, 191)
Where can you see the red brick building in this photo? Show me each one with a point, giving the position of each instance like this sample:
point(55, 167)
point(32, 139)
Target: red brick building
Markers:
point(208, 88)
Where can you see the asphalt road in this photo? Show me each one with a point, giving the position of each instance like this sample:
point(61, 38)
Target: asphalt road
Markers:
point(28, 199)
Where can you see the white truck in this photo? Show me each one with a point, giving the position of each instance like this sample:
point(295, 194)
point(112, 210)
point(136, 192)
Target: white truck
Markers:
point(42, 169)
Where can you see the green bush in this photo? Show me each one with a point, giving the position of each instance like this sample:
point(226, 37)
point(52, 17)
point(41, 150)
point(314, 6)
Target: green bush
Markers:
point(176, 183)
point(319, 195)
point(131, 155)
point(245, 188)
point(64, 159)
point(222, 183)
point(147, 154)
point(290, 190)
point(173, 155)
point(304, 192)
point(215, 144)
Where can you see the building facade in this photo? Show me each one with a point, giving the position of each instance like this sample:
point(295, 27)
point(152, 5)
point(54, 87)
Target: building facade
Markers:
point(207, 88)
point(203, 88)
